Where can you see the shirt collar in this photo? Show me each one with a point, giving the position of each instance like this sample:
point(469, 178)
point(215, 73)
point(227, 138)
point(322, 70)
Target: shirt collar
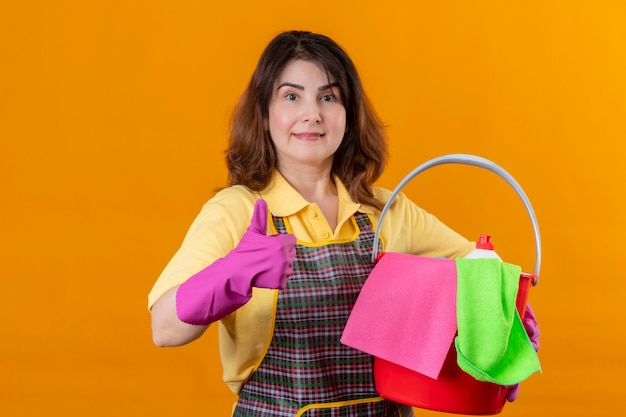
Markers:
point(283, 200)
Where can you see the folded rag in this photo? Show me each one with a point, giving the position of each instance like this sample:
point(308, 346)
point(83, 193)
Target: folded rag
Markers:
point(492, 344)
point(406, 312)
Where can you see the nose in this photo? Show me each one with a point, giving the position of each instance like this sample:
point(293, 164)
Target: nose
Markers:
point(311, 113)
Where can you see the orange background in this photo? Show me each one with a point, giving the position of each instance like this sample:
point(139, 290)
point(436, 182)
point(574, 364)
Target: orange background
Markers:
point(113, 120)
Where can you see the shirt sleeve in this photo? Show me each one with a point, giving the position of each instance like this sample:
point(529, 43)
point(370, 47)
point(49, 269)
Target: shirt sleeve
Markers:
point(407, 228)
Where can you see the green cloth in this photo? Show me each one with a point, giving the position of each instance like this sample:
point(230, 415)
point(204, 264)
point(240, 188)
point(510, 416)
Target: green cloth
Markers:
point(492, 344)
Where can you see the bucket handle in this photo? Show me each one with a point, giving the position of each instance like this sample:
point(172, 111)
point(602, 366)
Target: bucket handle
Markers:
point(467, 159)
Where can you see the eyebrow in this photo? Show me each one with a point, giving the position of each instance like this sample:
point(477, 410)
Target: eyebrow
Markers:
point(301, 87)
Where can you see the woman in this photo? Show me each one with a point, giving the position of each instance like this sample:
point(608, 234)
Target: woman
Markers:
point(307, 145)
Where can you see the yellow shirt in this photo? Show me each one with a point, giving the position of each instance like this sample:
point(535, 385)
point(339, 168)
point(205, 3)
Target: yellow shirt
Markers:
point(246, 333)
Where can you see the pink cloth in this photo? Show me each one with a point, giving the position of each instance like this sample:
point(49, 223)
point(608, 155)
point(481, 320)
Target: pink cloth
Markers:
point(406, 312)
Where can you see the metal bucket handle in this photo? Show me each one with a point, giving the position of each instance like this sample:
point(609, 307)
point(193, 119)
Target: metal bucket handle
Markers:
point(467, 159)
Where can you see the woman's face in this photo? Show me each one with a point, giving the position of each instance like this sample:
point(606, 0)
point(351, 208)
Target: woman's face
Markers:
point(307, 119)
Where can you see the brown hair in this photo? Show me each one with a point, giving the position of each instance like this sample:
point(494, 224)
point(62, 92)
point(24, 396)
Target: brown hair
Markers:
point(361, 157)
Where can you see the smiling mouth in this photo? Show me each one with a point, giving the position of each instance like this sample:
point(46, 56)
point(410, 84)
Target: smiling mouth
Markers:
point(308, 135)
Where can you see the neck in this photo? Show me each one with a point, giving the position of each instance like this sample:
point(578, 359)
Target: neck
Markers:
point(316, 186)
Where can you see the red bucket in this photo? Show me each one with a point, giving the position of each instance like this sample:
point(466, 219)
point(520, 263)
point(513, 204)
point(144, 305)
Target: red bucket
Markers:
point(454, 391)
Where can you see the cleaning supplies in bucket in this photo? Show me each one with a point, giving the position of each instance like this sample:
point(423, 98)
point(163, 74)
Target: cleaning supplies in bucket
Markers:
point(409, 329)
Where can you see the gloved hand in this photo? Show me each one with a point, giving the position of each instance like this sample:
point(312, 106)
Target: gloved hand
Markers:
point(225, 285)
point(532, 328)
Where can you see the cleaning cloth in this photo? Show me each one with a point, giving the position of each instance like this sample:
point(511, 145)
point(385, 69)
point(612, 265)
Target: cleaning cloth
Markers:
point(406, 312)
point(492, 344)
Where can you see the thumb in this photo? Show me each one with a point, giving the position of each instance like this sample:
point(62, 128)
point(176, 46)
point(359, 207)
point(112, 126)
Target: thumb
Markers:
point(258, 223)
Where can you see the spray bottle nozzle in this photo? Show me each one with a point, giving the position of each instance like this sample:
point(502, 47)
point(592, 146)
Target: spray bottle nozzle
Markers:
point(484, 242)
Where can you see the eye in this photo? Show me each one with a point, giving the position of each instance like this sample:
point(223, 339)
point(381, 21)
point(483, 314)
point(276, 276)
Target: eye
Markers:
point(291, 97)
point(329, 98)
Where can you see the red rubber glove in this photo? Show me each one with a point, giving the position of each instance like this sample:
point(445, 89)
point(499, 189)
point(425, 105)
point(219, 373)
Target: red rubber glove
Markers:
point(225, 285)
point(532, 328)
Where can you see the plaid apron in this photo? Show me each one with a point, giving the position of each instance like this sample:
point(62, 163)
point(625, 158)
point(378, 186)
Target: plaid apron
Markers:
point(307, 372)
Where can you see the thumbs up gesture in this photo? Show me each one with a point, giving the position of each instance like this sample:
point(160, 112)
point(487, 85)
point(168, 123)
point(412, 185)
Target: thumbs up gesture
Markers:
point(225, 285)
point(267, 259)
